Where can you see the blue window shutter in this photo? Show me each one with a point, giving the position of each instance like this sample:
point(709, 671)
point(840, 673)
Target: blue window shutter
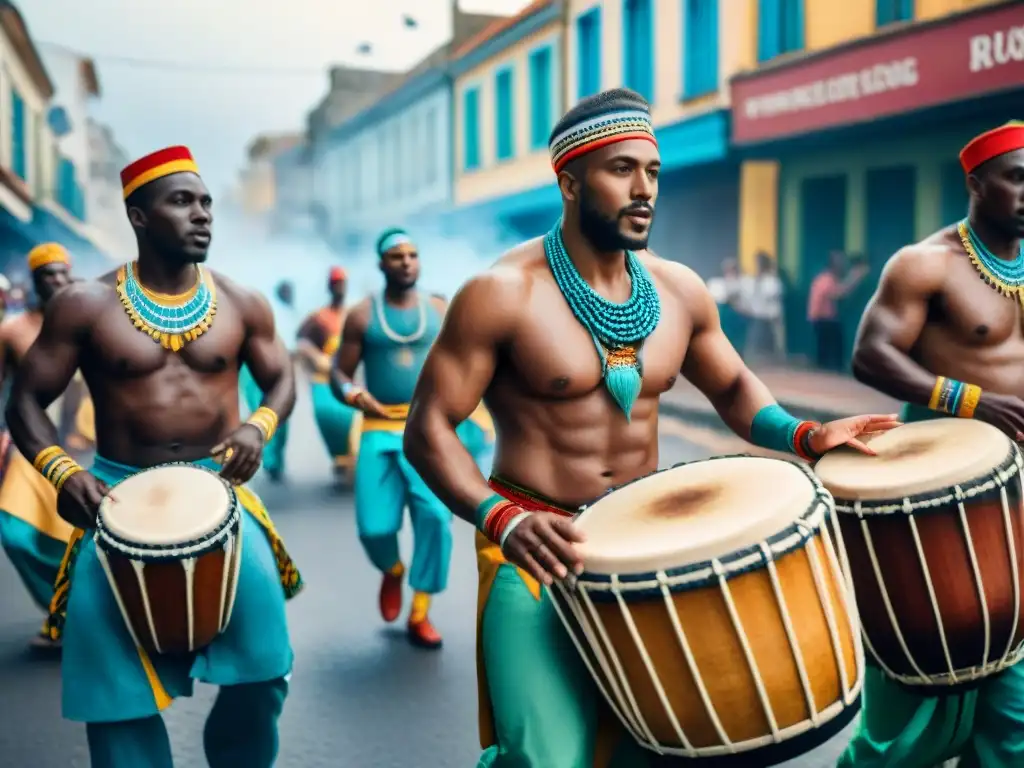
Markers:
point(793, 29)
point(505, 140)
point(588, 38)
point(540, 97)
point(19, 161)
point(769, 31)
point(700, 48)
point(906, 10)
point(471, 129)
point(638, 47)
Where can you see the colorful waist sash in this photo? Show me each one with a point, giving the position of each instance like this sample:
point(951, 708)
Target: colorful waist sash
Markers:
point(112, 473)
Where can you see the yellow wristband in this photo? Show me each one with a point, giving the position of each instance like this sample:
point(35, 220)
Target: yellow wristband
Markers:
point(265, 420)
point(45, 456)
point(54, 468)
point(66, 475)
point(968, 401)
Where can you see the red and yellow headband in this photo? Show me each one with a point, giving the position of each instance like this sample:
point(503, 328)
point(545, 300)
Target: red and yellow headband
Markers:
point(155, 166)
point(998, 141)
point(47, 253)
point(337, 274)
point(600, 131)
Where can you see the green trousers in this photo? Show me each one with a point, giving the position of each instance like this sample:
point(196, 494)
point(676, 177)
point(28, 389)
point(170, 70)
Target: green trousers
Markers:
point(543, 700)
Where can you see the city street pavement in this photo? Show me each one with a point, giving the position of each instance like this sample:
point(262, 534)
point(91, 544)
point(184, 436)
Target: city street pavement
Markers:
point(361, 697)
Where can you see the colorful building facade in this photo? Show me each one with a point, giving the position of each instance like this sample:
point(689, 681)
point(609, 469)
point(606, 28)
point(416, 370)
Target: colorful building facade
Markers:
point(514, 83)
point(40, 195)
point(861, 110)
point(507, 95)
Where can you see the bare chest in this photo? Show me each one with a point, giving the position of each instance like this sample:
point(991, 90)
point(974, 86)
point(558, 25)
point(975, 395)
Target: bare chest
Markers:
point(554, 356)
point(976, 313)
point(118, 349)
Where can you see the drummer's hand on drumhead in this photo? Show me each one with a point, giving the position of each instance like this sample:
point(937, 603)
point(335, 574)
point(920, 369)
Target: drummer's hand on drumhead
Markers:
point(849, 431)
point(79, 499)
point(241, 454)
point(542, 545)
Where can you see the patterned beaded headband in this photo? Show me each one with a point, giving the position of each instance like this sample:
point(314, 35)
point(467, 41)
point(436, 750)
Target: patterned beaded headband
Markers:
point(155, 166)
point(990, 144)
point(598, 132)
point(47, 253)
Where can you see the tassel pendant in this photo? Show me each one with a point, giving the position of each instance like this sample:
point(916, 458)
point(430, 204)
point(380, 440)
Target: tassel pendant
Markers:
point(623, 383)
point(622, 378)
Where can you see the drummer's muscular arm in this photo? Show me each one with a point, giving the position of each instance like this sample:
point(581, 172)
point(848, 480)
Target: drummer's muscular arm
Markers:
point(50, 364)
point(265, 354)
point(457, 372)
point(712, 363)
point(893, 321)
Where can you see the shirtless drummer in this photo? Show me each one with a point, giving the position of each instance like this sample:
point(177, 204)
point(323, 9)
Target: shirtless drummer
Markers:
point(163, 391)
point(543, 337)
point(947, 343)
point(33, 535)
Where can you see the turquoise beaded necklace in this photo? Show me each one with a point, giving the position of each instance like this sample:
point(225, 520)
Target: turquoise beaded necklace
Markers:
point(617, 330)
point(1006, 277)
point(171, 321)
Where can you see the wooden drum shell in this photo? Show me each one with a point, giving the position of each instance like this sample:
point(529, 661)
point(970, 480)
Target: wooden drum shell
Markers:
point(173, 618)
point(175, 598)
point(774, 649)
point(928, 619)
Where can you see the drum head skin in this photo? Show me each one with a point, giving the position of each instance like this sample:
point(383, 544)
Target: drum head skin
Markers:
point(918, 458)
point(167, 505)
point(692, 513)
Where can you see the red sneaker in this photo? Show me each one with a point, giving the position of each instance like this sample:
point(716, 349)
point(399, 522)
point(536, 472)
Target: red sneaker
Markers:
point(390, 597)
point(423, 634)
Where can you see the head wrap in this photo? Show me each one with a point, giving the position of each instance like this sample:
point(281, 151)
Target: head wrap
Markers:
point(337, 274)
point(155, 166)
point(990, 144)
point(606, 118)
point(47, 253)
point(392, 238)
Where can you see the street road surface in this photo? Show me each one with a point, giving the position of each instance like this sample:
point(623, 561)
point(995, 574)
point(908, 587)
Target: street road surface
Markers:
point(361, 697)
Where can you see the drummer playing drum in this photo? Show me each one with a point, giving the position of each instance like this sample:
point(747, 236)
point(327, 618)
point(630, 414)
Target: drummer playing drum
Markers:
point(159, 343)
point(949, 344)
point(571, 339)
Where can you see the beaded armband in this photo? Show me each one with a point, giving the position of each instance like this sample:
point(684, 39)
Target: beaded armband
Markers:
point(265, 420)
point(56, 466)
point(496, 517)
point(778, 430)
point(954, 398)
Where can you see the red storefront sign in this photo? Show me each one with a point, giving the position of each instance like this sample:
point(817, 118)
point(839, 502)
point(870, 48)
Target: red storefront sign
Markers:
point(937, 64)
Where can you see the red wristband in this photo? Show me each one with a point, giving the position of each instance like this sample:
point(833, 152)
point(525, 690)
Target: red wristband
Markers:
point(802, 431)
point(498, 518)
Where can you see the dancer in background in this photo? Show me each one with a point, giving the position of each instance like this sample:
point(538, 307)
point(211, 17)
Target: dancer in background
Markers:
point(33, 535)
point(950, 345)
point(318, 340)
point(283, 306)
point(389, 334)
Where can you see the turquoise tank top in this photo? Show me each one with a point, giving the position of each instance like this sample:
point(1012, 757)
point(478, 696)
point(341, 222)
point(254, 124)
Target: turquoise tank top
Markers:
point(392, 364)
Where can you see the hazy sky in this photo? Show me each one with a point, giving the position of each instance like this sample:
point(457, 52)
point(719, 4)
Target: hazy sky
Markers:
point(213, 73)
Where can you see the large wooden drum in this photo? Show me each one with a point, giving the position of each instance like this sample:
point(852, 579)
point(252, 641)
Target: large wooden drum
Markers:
point(933, 533)
point(712, 612)
point(171, 548)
